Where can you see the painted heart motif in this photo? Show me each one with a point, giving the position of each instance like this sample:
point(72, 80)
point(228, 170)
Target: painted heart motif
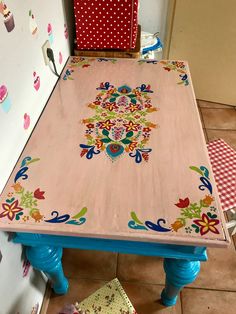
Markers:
point(114, 150)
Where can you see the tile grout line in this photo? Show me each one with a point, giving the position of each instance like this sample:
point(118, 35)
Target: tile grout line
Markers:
point(220, 129)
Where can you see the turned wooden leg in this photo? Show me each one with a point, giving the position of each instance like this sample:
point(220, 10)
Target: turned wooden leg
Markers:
point(178, 274)
point(48, 260)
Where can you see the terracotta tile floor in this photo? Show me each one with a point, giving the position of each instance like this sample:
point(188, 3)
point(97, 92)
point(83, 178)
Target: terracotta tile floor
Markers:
point(142, 277)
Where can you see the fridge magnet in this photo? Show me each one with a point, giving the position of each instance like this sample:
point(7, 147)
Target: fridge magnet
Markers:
point(50, 34)
point(32, 23)
point(60, 58)
point(35, 309)
point(5, 101)
point(66, 32)
point(36, 81)
point(26, 121)
point(26, 268)
point(7, 16)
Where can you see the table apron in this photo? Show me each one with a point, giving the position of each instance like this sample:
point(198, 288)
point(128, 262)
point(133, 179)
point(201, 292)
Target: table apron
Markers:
point(192, 253)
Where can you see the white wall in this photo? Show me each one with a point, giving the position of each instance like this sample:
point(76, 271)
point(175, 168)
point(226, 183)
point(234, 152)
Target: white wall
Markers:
point(20, 56)
point(152, 16)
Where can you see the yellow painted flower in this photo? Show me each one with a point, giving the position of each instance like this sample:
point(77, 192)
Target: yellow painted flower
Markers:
point(177, 225)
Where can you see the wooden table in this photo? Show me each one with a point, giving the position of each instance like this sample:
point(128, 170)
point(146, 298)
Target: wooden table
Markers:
point(117, 162)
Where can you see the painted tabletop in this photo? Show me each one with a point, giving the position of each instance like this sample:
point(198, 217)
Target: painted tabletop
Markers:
point(118, 153)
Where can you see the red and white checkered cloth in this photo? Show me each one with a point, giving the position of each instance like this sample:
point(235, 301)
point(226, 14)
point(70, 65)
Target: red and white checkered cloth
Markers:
point(223, 161)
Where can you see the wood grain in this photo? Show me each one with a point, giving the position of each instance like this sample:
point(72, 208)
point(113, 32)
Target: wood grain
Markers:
point(112, 190)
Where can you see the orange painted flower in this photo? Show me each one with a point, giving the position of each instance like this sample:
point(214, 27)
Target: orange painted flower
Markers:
point(147, 130)
point(99, 143)
point(17, 187)
point(90, 126)
point(208, 200)
point(10, 210)
point(106, 125)
point(132, 146)
point(131, 126)
point(207, 224)
point(133, 107)
point(177, 225)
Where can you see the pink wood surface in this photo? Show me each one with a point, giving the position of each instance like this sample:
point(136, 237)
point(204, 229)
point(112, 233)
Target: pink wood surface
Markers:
point(63, 192)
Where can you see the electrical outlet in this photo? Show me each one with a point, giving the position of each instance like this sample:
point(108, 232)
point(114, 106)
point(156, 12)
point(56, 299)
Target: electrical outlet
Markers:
point(45, 46)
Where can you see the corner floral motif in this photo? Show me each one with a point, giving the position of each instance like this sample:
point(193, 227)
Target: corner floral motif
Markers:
point(76, 62)
point(119, 124)
point(179, 67)
point(147, 61)
point(24, 205)
point(198, 217)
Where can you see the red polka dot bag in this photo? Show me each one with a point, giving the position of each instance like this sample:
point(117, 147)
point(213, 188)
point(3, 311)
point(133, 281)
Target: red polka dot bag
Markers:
point(106, 24)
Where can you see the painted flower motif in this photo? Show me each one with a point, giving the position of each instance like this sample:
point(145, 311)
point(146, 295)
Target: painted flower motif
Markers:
point(98, 143)
point(177, 225)
point(208, 200)
point(133, 107)
point(146, 130)
point(111, 106)
point(183, 203)
point(207, 224)
point(131, 126)
point(39, 194)
point(90, 126)
point(106, 124)
point(10, 210)
point(17, 187)
point(132, 146)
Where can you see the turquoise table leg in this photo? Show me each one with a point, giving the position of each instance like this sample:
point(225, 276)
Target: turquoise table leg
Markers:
point(48, 260)
point(178, 274)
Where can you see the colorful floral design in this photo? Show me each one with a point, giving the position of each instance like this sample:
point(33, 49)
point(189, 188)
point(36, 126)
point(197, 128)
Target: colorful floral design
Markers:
point(10, 210)
point(147, 61)
point(194, 216)
point(179, 67)
point(24, 205)
point(119, 124)
point(207, 224)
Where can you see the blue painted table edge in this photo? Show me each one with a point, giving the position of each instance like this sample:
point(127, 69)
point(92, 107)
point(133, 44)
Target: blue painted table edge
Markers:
point(181, 263)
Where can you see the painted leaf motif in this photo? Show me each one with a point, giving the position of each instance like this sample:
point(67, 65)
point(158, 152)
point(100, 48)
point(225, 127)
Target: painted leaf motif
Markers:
point(126, 141)
point(105, 132)
point(81, 213)
point(135, 218)
point(129, 134)
point(106, 140)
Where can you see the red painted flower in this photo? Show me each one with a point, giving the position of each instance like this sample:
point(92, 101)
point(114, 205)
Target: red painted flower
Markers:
point(106, 125)
point(39, 194)
point(167, 69)
point(10, 210)
point(207, 224)
point(147, 130)
point(90, 126)
point(131, 126)
point(111, 106)
point(183, 203)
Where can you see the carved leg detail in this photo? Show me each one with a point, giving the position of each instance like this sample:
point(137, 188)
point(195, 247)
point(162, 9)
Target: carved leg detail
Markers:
point(48, 260)
point(178, 274)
